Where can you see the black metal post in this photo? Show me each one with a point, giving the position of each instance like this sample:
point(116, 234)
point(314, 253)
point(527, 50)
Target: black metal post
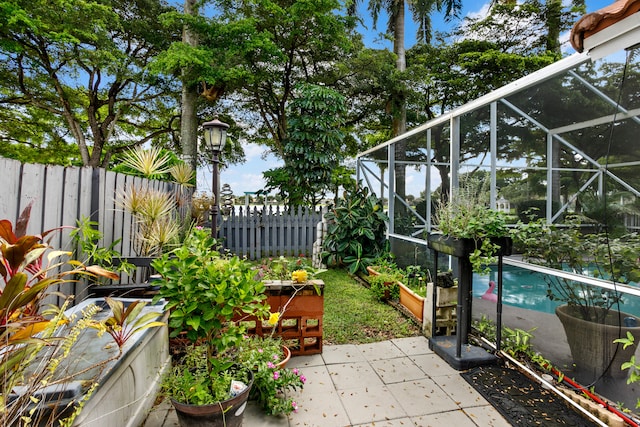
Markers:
point(434, 295)
point(499, 307)
point(214, 208)
point(463, 327)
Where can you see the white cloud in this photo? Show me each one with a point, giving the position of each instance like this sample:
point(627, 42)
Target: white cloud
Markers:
point(253, 151)
point(481, 13)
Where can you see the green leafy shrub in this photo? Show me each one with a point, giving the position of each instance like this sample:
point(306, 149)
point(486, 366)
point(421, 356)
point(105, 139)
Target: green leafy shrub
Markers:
point(356, 233)
point(385, 285)
point(205, 290)
point(467, 217)
point(568, 248)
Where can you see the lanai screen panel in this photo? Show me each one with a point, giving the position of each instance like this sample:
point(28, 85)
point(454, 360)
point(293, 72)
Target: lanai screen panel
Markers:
point(373, 174)
point(411, 183)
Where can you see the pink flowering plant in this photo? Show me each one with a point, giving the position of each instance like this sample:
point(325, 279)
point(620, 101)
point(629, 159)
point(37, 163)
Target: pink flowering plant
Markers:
point(270, 382)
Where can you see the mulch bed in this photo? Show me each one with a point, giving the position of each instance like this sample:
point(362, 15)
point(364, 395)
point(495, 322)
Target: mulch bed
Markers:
point(522, 401)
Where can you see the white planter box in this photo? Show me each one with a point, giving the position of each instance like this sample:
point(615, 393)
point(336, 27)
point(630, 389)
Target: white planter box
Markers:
point(128, 385)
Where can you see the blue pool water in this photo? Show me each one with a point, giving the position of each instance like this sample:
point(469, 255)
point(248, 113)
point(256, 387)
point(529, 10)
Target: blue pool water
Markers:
point(527, 289)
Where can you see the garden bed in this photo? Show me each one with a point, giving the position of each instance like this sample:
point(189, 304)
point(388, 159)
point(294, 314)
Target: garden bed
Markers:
point(522, 401)
point(128, 384)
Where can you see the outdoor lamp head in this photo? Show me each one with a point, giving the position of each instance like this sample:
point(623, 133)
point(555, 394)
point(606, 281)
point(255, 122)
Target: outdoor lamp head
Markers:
point(215, 134)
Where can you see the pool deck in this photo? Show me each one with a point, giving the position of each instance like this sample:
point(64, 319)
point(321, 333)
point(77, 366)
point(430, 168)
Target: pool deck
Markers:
point(400, 382)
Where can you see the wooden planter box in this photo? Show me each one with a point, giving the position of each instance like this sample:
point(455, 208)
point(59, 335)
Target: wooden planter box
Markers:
point(446, 301)
point(300, 326)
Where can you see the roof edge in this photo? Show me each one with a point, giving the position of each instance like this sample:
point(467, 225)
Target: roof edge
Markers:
point(597, 21)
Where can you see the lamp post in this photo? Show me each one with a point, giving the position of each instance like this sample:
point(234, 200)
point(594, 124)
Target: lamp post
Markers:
point(215, 134)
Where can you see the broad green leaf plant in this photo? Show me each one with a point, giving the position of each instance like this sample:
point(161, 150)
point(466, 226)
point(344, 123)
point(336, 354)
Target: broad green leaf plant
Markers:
point(356, 232)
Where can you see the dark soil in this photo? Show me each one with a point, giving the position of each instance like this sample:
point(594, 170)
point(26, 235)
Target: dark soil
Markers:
point(522, 401)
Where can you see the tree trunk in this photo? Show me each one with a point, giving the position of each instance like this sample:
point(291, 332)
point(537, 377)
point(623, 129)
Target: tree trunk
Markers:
point(554, 11)
point(399, 109)
point(189, 117)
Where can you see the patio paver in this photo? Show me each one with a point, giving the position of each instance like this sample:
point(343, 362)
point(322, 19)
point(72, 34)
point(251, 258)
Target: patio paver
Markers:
point(396, 383)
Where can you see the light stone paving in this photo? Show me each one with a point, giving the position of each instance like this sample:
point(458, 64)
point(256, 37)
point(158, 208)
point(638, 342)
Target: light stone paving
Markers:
point(396, 383)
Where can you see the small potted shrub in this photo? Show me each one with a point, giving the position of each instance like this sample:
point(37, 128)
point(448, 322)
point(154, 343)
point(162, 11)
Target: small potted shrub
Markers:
point(466, 227)
point(205, 291)
point(267, 358)
point(385, 285)
point(383, 277)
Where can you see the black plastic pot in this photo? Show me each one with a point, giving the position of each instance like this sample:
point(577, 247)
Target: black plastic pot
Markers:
point(461, 248)
point(228, 413)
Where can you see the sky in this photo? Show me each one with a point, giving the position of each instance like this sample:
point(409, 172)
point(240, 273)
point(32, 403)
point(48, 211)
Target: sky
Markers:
point(247, 177)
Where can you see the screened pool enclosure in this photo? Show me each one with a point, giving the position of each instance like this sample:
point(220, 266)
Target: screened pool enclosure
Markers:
point(560, 140)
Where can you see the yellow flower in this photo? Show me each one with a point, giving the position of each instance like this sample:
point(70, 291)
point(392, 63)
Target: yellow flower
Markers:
point(299, 276)
point(273, 318)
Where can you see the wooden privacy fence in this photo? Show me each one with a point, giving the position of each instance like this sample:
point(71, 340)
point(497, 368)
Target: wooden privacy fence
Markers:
point(62, 195)
point(270, 231)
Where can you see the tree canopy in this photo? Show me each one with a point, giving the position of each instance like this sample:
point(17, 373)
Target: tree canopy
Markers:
point(83, 81)
point(73, 73)
point(313, 147)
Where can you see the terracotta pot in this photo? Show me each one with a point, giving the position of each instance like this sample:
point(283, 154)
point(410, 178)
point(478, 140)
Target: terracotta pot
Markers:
point(287, 355)
point(228, 413)
point(412, 301)
point(592, 345)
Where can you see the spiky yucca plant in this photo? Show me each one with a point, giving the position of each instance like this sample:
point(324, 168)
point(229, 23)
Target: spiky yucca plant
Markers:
point(157, 214)
point(151, 163)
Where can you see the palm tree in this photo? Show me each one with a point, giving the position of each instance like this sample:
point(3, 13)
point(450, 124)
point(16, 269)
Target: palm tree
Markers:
point(421, 11)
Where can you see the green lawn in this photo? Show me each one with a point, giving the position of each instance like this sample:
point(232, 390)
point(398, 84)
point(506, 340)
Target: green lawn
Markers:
point(353, 316)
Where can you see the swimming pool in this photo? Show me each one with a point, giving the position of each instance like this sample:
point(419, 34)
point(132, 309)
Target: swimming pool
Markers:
point(527, 289)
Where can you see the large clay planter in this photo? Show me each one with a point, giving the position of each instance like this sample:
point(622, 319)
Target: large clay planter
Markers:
point(592, 345)
point(228, 413)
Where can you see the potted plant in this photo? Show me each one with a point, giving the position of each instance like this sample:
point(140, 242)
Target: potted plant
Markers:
point(590, 316)
point(385, 285)
point(50, 376)
point(267, 358)
point(205, 291)
point(467, 228)
point(157, 217)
